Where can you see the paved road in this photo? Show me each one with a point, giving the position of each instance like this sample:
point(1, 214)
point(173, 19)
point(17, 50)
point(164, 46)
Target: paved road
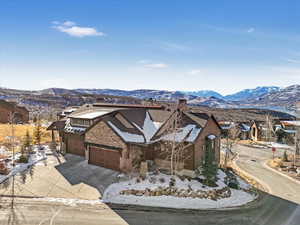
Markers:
point(280, 186)
point(32, 212)
point(269, 211)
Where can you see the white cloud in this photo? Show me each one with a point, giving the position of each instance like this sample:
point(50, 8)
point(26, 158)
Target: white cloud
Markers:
point(251, 30)
point(69, 23)
point(156, 66)
point(194, 72)
point(72, 29)
point(292, 60)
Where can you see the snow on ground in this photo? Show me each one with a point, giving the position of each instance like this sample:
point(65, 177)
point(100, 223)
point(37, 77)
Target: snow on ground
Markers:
point(70, 202)
point(38, 156)
point(237, 198)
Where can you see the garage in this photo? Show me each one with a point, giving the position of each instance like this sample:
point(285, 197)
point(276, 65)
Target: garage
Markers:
point(75, 144)
point(108, 158)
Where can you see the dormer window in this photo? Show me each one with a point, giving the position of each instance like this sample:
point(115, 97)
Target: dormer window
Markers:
point(80, 122)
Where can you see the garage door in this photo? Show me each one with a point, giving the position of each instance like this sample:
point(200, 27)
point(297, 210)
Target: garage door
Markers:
point(75, 144)
point(106, 158)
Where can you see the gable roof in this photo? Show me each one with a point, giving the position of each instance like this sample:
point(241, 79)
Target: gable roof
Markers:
point(189, 129)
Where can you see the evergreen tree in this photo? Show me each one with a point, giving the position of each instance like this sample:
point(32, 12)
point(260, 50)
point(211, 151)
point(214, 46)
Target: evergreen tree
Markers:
point(37, 134)
point(27, 141)
point(209, 167)
point(285, 157)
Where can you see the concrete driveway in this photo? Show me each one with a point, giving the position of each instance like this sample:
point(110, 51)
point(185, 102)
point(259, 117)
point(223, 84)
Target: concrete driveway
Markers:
point(66, 176)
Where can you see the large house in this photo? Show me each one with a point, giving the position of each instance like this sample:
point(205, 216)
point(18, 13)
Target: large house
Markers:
point(120, 137)
point(9, 110)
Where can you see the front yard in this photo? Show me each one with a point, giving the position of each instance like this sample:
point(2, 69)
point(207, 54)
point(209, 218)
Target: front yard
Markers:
point(163, 190)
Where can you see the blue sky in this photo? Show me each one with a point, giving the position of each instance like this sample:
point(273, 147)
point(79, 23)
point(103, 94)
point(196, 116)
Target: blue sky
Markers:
point(131, 44)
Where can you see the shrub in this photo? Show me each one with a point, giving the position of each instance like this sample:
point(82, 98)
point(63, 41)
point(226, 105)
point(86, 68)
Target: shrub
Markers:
point(162, 180)
point(138, 180)
point(285, 157)
point(233, 185)
point(152, 180)
point(23, 159)
point(172, 182)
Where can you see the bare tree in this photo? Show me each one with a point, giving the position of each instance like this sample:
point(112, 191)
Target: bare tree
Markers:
point(269, 129)
point(297, 135)
point(173, 146)
point(231, 141)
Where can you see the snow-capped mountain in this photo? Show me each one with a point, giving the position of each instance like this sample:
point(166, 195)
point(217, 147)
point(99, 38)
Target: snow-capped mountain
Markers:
point(204, 93)
point(284, 98)
point(251, 93)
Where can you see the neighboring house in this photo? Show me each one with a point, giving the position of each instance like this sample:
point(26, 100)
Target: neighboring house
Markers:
point(243, 129)
point(120, 137)
point(257, 130)
point(21, 114)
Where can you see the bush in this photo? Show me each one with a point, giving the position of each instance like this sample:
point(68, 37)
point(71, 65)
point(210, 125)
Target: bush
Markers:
point(233, 185)
point(285, 157)
point(23, 159)
point(152, 180)
point(162, 180)
point(172, 182)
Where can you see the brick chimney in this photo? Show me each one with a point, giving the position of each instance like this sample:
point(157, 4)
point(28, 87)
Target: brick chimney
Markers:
point(182, 104)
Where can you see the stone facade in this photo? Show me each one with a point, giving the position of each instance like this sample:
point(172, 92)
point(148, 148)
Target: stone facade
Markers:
point(211, 128)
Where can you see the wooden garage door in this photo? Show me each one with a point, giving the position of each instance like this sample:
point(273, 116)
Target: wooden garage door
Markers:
point(75, 144)
point(106, 158)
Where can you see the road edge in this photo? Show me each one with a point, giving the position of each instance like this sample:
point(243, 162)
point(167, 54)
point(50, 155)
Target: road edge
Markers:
point(265, 164)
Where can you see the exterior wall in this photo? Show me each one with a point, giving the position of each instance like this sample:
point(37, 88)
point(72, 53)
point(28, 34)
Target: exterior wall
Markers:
point(75, 144)
point(102, 134)
point(4, 114)
point(22, 115)
point(211, 128)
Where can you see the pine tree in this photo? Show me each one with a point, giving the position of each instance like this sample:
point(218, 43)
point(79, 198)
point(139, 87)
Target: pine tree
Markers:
point(37, 134)
point(209, 167)
point(27, 141)
point(285, 157)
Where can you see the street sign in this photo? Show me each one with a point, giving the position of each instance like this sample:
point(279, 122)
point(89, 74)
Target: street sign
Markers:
point(273, 149)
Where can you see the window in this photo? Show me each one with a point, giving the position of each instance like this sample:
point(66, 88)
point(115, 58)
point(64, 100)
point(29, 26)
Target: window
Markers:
point(80, 122)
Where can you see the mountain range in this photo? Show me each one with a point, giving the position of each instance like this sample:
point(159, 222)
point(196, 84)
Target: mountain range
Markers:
point(268, 97)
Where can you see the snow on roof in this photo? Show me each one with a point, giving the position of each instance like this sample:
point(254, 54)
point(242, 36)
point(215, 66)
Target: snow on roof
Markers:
point(188, 133)
point(72, 129)
point(157, 124)
point(149, 128)
point(90, 115)
point(245, 127)
point(293, 123)
point(128, 137)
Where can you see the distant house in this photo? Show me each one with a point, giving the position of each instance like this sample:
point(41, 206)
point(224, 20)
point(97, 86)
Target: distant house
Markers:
point(121, 137)
point(7, 109)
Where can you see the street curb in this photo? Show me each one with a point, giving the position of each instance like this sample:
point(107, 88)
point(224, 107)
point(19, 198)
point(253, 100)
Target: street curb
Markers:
point(262, 183)
point(282, 174)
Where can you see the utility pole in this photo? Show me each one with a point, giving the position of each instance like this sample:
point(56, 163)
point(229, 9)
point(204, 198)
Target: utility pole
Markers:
point(13, 157)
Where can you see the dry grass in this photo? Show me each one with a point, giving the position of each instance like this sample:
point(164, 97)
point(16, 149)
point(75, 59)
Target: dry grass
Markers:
point(20, 132)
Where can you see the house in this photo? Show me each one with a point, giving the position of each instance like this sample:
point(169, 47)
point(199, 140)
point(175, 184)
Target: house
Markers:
point(73, 126)
point(197, 133)
point(7, 109)
point(120, 137)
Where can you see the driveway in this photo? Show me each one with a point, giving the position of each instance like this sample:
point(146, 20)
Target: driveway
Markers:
point(66, 176)
point(252, 161)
